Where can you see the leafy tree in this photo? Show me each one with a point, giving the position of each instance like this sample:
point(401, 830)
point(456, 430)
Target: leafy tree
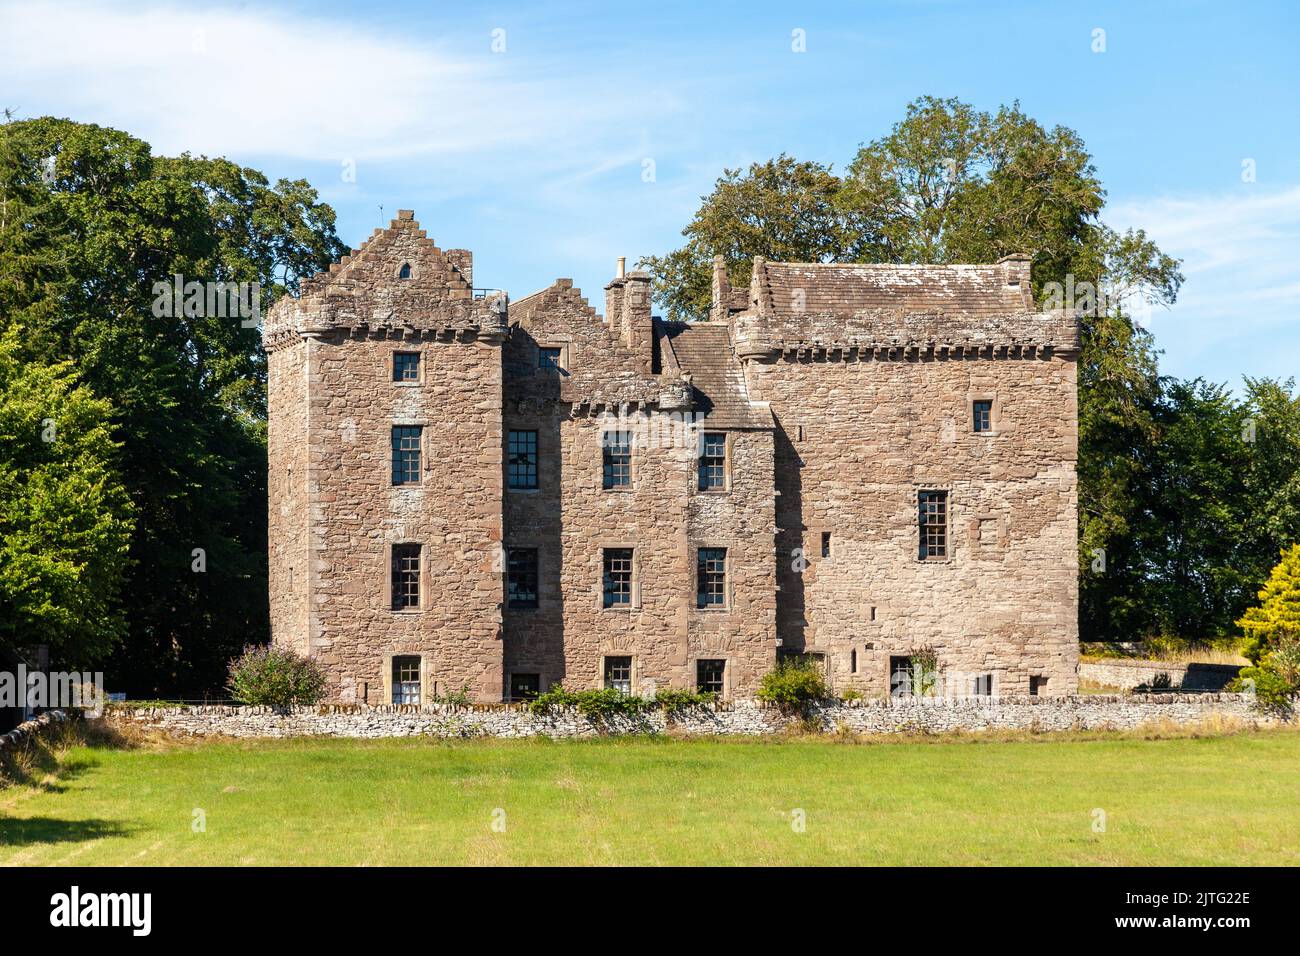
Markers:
point(783, 209)
point(1188, 543)
point(65, 518)
point(93, 221)
point(1277, 616)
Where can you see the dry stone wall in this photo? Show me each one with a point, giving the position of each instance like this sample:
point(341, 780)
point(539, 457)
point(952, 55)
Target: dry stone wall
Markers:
point(894, 715)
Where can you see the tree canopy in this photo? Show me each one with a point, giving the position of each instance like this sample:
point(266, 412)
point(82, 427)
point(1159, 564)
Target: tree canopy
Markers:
point(90, 222)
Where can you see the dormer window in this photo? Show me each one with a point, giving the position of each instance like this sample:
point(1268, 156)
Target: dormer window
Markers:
point(405, 271)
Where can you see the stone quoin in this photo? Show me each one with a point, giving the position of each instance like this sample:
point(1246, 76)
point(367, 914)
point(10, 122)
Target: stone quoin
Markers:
point(856, 464)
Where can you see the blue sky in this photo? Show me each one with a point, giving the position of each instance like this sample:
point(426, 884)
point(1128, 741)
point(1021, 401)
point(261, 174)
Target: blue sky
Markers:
point(536, 155)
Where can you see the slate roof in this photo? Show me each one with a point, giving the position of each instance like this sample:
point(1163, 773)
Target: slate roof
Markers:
point(790, 289)
point(704, 350)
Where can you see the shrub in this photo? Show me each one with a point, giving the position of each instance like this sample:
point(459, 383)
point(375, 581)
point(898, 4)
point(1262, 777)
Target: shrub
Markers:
point(851, 694)
point(455, 698)
point(1275, 680)
point(601, 705)
point(595, 704)
point(677, 701)
point(275, 677)
point(793, 685)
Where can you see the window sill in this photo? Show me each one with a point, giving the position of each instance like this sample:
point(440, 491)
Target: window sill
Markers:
point(415, 384)
point(523, 491)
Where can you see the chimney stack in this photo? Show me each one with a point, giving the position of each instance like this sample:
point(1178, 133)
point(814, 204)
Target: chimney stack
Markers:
point(638, 327)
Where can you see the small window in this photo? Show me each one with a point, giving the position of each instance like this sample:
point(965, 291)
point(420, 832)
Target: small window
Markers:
point(708, 676)
point(900, 676)
point(548, 357)
point(616, 449)
point(618, 674)
point(713, 462)
point(983, 415)
point(853, 661)
point(522, 460)
point(406, 454)
point(524, 686)
point(932, 518)
point(521, 577)
point(406, 576)
point(983, 685)
point(405, 271)
point(406, 366)
point(1037, 684)
point(711, 577)
point(826, 544)
point(618, 577)
point(406, 680)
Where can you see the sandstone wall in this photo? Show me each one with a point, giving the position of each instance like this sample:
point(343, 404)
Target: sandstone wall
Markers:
point(289, 569)
point(570, 519)
point(856, 440)
point(454, 513)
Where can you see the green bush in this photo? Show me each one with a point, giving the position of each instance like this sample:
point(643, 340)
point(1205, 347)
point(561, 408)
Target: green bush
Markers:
point(596, 704)
point(1275, 680)
point(793, 685)
point(275, 677)
point(604, 704)
point(676, 701)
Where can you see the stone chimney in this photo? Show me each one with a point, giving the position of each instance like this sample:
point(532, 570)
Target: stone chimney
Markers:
point(638, 328)
point(720, 308)
point(1016, 271)
point(614, 304)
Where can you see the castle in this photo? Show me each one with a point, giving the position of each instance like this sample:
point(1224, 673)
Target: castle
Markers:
point(868, 466)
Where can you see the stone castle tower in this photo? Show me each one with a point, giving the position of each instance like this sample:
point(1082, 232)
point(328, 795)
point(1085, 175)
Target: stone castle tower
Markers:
point(861, 465)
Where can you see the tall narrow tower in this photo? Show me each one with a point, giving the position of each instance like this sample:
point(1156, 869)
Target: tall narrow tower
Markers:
point(385, 471)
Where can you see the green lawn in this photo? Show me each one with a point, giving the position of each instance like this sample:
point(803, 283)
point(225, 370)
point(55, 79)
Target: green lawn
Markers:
point(1219, 800)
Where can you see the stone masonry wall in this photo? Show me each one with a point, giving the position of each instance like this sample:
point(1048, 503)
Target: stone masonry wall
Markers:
point(1129, 674)
point(571, 519)
point(894, 715)
point(856, 441)
point(288, 507)
point(454, 513)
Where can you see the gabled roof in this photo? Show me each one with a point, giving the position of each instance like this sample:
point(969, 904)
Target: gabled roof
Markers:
point(790, 289)
point(703, 350)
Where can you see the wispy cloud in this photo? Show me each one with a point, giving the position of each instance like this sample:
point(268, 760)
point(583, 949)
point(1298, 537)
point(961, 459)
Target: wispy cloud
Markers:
point(271, 83)
point(1240, 305)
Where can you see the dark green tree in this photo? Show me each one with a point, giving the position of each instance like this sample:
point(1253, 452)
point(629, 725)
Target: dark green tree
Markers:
point(187, 390)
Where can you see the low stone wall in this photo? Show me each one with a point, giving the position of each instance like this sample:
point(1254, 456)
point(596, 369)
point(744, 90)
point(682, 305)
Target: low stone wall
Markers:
point(1120, 672)
point(36, 727)
point(894, 715)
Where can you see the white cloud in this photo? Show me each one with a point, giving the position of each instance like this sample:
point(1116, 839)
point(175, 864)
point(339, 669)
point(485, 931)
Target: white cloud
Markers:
point(268, 83)
point(1237, 311)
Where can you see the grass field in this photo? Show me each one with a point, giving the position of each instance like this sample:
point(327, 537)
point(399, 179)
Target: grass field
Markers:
point(1214, 800)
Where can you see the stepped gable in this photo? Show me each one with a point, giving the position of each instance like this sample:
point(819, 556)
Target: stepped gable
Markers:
point(607, 376)
point(399, 277)
point(703, 351)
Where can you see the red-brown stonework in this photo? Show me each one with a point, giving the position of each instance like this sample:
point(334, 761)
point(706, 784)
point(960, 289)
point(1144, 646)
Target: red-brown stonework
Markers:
point(838, 394)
